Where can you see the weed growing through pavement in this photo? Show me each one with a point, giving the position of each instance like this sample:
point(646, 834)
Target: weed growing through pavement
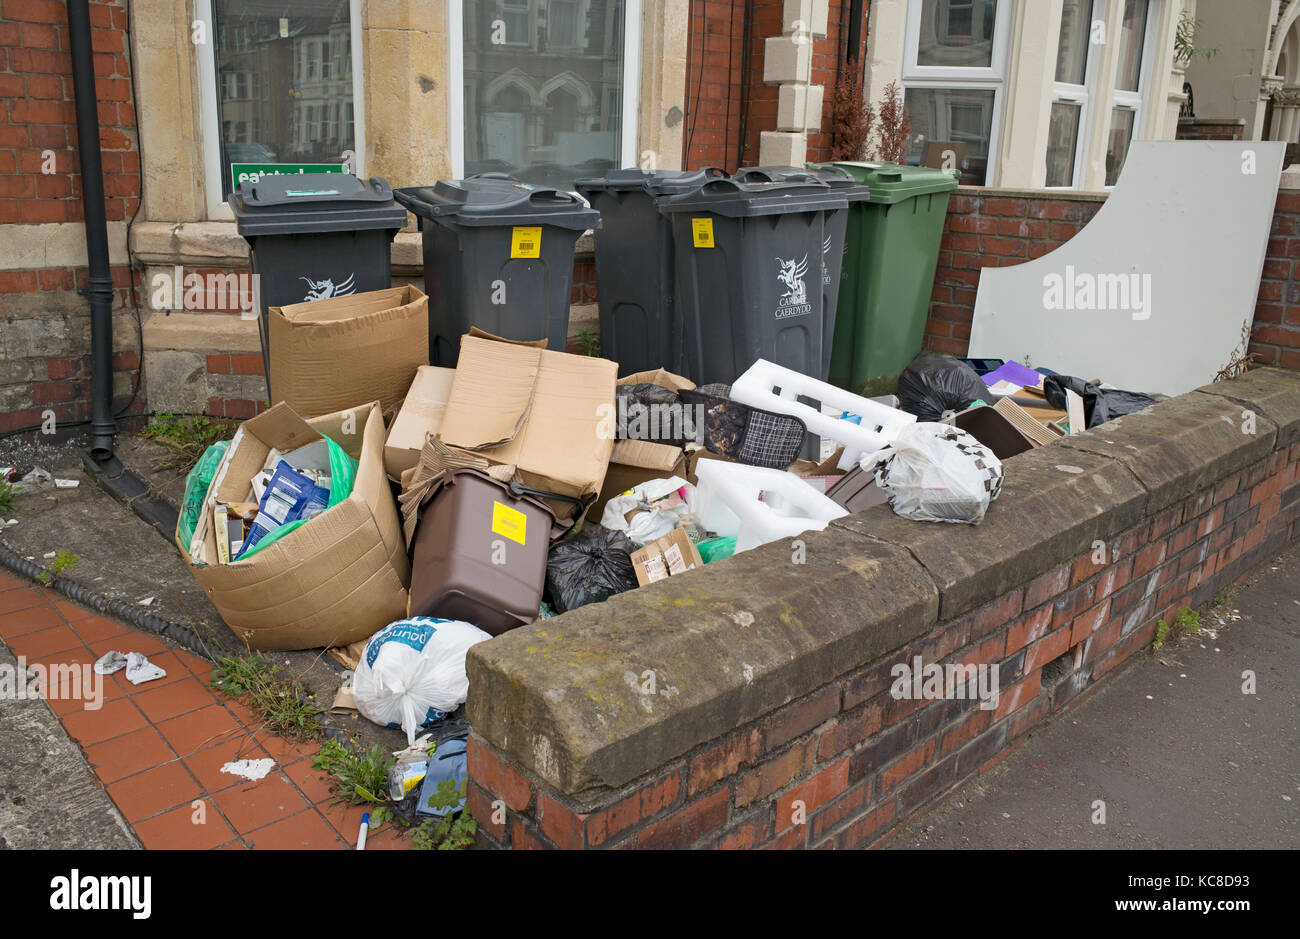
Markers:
point(280, 701)
point(1187, 622)
point(7, 493)
point(185, 437)
point(63, 561)
point(453, 831)
point(358, 778)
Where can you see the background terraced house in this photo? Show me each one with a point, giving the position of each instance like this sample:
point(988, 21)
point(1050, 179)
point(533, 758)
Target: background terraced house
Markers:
point(1045, 96)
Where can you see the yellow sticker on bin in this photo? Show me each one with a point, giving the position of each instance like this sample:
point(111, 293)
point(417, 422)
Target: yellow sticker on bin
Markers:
point(509, 523)
point(526, 241)
point(702, 231)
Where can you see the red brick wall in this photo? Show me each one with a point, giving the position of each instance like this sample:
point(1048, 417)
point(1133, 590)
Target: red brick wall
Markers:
point(988, 229)
point(846, 765)
point(1210, 129)
point(47, 335)
point(1275, 336)
point(715, 84)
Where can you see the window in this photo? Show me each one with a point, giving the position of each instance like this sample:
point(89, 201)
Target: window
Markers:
point(1130, 80)
point(1070, 94)
point(953, 78)
point(272, 88)
point(546, 117)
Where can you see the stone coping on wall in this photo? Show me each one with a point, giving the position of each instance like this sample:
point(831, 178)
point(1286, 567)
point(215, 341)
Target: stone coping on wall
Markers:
point(564, 698)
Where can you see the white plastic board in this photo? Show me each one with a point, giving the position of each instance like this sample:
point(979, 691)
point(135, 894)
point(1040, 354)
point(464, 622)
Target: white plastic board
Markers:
point(1152, 295)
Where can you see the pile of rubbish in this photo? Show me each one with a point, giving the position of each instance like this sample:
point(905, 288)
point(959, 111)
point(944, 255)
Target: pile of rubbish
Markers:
point(398, 512)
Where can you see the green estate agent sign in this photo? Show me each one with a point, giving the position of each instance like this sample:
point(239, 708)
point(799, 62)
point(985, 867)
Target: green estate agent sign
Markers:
point(252, 172)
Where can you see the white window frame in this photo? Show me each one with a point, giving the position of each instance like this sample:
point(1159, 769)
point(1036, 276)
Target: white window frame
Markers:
point(456, 83)
point(992, 78)
point(209, 117)
point(1135, 101)
point(1082, 95)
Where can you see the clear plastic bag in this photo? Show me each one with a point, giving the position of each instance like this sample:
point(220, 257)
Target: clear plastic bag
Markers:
point(937, 473)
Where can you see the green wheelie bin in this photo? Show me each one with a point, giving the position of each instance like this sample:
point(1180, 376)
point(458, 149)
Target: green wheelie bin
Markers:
point(891, 249)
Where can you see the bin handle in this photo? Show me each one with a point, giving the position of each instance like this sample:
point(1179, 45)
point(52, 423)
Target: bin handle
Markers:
point(495, 174)
point(542, 196)
point(715, 171)
point(519, 490)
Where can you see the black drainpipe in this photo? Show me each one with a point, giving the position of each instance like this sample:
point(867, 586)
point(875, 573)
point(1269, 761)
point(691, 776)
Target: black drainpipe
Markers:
point(99, 289)
point(855, 29)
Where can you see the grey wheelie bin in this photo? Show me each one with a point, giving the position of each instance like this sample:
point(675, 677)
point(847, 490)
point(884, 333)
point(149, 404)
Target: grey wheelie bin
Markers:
point(833, 248)
point(498, 254)
point(634, 265)
point(748, 274)
point(312, 237)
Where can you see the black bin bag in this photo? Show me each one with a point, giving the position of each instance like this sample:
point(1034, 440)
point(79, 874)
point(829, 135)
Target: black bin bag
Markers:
point(588, 567)
point(933, 384)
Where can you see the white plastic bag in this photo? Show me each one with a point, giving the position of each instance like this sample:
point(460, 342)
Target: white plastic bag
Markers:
point(937, 473)
point(645, 526)
point(412, 672)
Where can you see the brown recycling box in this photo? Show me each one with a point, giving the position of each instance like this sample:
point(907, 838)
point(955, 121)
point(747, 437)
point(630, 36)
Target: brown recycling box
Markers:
point(336, 579)
point(344, 352)
point(479, 553)
point(421, 414)
point(551, 414)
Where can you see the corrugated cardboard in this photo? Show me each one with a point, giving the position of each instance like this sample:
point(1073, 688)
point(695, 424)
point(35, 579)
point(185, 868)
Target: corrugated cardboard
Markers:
point(1038, 433)
point(993, 429)
point(328, 355)
point(633, 462)
point(673, 553)
point(421, 414)
point(335, 580)
point(549, 413)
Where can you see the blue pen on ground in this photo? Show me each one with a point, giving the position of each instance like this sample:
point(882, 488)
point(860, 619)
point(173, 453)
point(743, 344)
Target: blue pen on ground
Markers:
point(361, 833)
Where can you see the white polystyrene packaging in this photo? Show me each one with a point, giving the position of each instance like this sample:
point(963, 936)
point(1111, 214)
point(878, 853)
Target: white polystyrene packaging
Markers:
point(412, 672)
point(773, 387)
point(937, 473)
point(757, 505)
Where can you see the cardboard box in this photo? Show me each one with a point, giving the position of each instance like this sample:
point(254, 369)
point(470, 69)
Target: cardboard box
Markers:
point(551, 414)
point(421, 414)
point(329, 355)
point(633, 462)
point(1038, 433)
point(674, 553)
point(336, 579)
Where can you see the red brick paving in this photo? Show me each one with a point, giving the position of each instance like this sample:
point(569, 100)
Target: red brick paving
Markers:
point(158, 748)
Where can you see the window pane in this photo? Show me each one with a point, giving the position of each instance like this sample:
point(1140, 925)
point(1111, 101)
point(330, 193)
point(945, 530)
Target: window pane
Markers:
point(957, 33)
point(953, 114)
point(1133, 32)
point(1121, 135)
point(543, 88)
point(1062, 142)
point(274, 78)
point(1072, 50)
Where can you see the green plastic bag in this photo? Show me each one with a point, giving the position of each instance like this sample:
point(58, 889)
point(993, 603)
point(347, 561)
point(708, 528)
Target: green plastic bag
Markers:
point(196, 489)
point(716, 549)
point(343, 473)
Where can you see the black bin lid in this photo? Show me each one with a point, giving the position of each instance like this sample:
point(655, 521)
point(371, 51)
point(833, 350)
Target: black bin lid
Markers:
point(495, 199)
point(736, 199)
point(837, 178)
point(653, 182)
point(315, 202)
